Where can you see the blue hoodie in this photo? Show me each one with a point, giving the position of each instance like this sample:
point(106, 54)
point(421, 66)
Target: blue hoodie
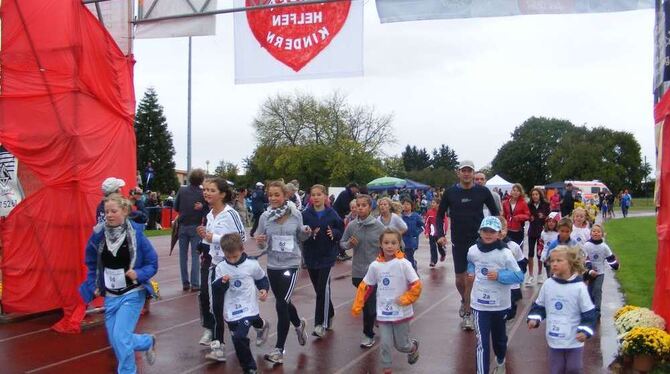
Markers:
point(320, 251)
point(414, 224)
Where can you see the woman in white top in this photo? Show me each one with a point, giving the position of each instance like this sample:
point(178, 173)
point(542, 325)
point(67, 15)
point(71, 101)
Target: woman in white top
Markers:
point(222, 219)
point(388, 217)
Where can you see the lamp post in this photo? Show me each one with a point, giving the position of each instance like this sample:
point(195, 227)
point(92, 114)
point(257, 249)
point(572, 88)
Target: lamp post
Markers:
point(207, 163)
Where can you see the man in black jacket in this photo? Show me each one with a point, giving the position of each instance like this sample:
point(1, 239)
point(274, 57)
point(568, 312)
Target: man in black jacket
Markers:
point(259, 201)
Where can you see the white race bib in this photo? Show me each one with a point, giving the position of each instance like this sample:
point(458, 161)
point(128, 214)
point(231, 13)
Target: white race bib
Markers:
point(283, 243)
point(487, 296)
point(115, 279)
point(389, 308)
point(559, 328)
point(236, 310)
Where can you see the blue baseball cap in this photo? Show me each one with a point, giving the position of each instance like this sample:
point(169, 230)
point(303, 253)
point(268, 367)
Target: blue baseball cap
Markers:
point(490, 222)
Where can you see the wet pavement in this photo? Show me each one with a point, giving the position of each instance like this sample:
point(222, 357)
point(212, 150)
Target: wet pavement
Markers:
point(30, 347)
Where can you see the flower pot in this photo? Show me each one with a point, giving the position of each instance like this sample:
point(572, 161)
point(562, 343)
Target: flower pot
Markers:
point(643, 363)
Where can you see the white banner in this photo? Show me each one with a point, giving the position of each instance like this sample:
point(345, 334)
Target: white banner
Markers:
point(411, 10)
point(193, 26)
point(323, 40)
point(11, 193)
point(115, 16)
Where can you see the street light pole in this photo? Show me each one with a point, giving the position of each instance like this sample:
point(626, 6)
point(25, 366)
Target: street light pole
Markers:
point(207, 163)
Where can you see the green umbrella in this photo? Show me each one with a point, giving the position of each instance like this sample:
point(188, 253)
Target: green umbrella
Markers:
point(386, 182)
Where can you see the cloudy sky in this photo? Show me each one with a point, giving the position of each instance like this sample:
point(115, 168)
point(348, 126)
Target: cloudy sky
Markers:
point(465, 83)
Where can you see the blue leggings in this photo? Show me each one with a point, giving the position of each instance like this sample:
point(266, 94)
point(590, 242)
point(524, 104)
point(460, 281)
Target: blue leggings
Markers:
point(121, 316)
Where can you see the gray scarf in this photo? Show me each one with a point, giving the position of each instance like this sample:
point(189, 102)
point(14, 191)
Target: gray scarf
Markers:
point(286, 208)
point(116, 235)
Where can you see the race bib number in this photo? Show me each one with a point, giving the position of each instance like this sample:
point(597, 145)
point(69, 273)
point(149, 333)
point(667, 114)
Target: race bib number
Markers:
point(559, 328)
point(236, 310)
point(283, 243)
point(389, 308)
point(115, 279)
point(487, 296)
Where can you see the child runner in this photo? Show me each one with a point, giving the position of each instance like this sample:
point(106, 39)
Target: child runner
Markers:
point(431, 233)
point(581, 232)
point(320, 252)
point(521, 260)
point(564, 301)
point(597, 253)
point(222, 219)
point(234, 297)
point(363, 236)
point(280, 229)
point(539, 211)
point(414, 224)
point(564, 228)
point(343, 256)
point(388, 217)
point(397, 288)
point(604, 207)
point(493, 269)
point(549, 234)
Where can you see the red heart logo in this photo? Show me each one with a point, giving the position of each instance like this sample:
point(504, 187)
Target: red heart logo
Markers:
point(294, 35)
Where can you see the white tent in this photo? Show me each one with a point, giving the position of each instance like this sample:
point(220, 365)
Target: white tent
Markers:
point(500, 183)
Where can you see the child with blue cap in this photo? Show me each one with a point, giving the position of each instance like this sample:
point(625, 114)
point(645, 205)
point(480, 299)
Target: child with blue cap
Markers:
point(492, 270)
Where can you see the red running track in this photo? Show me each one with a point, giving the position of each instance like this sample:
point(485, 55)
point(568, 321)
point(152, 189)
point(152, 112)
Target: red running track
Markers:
point(30, 347)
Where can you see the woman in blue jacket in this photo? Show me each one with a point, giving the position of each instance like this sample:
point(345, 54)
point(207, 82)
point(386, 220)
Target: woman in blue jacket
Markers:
point(414, 224)
point(320, 253)
point(120, 262)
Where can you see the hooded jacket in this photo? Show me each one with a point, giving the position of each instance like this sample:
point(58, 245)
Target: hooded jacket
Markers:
point(367, 232)
point(320, 251)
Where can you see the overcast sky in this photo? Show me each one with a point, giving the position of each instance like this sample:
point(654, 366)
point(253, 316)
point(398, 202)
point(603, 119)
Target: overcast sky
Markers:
point(465, 83)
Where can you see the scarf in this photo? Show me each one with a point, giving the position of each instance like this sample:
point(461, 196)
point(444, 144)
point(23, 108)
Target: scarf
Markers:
point(287, 208)
point(115, 236)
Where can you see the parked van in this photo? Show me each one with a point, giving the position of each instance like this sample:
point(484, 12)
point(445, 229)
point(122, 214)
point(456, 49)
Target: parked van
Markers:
point(589, 189)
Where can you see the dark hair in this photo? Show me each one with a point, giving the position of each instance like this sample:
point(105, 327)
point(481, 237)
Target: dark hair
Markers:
point(231, 242)
point(564, 222)
point(196, 177)
point(223, 186)
point(539, 190)
point(389, 230)
point(365, 197)
point(407, 200)
point(352, 185)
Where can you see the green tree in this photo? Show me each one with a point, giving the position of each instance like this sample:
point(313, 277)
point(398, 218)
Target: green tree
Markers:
point(524, 158)
point(318, 140)
point(227, 170)
point(414, 158)
point(154, 143)
point(394, 167)
point(444, 157)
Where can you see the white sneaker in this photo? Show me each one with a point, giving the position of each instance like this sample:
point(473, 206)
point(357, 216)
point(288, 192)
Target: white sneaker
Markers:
point(529, 281)
point(206, 338)
point(467, 324)
point(319, 331)
point(540, 279)
point(150, 354)
point(500, 368)
point(367, 342)
point(262, 333)
point(276, 356)
point(218, 352)
point(300, 331)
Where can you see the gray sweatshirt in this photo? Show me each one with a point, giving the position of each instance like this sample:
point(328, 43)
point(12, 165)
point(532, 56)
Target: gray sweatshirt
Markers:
point(367, 232)
point(283, 243)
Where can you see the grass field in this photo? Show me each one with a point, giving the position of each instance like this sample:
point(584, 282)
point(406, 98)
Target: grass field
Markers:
point(150, 233)
point(641, 204)
point(634, 242)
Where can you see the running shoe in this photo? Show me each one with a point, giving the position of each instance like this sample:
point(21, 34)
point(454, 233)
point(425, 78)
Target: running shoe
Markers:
point(300, 331)
point(529, 281)
point(367, 342)
point(206, 338)
point(468, 323)
point(413, 356)
point(217, 353)
point(262, 333)
point(461, 310)
point(276, 356)
point(319, 331)
point(432, 264)
point(150, 354)
point(500, 368)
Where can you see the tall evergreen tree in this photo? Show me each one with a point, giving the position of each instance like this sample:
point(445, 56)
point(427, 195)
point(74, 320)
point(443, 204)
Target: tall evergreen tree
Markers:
point(154, 145)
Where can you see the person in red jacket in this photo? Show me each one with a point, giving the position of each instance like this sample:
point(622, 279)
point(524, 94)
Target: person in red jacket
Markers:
point(431, 233)
point(516, 213)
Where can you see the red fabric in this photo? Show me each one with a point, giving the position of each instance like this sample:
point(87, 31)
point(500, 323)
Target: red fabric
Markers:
point(66, 112)
point(167, 216)
point(517, 218)
point(661, 301)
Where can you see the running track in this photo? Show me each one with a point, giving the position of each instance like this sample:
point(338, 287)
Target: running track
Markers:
point(30, 347)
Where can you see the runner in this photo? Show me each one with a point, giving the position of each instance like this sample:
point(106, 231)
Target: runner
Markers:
point(280, 230)
point(539, 211)
point(465, 203)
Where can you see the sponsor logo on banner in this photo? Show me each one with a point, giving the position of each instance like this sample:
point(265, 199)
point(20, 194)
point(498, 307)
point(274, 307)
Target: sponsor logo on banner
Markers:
point(10, 189)
point(295, 35)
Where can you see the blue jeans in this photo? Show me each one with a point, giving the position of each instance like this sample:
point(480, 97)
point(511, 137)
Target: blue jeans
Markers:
point(121, 315)
point(187, 234)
